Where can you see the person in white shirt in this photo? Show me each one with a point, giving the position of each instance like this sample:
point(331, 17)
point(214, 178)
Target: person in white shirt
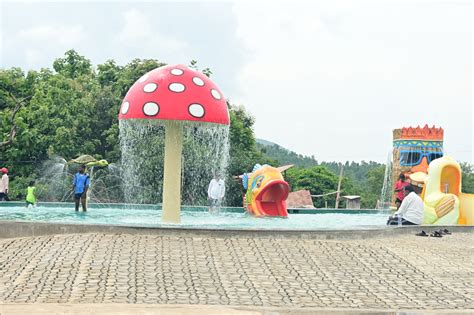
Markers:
point(4, 184)
point(215, 193)
point(411, 210)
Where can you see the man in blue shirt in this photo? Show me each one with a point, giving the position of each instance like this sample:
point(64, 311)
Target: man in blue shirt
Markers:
point(80, 185)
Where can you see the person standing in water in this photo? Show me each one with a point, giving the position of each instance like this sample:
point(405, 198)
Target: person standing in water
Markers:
point(215, 193)
point(80, 185)
point(30, 195)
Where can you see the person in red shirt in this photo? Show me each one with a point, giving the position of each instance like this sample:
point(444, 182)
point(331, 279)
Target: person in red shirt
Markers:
point(399, 190)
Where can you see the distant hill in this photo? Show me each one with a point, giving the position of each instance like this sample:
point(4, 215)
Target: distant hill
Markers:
point(357, 171)
point(283, 155)
point(363, 178)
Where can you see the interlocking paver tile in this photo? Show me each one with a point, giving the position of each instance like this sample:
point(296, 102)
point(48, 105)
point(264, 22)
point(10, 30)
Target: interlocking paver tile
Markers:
point(403, 271)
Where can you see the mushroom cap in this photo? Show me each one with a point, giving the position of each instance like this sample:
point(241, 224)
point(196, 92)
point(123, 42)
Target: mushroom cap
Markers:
point(175, 92)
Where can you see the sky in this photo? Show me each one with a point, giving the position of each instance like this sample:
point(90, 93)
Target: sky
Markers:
point(325, 78)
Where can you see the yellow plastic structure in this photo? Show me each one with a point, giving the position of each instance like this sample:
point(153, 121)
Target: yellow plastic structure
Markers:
point(444, 202)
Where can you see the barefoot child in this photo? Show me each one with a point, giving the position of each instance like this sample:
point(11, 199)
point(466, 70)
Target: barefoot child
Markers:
point(80, 185)
point(30, 195)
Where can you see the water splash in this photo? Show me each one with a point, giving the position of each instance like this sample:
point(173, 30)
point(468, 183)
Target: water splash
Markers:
point(142, 146)
point(55, 181)
point(205, 151)
point(106, 184)
point(387, 190)
point(55, 184)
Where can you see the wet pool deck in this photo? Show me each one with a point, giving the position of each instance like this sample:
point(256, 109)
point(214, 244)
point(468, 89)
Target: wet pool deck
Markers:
point(249, 274)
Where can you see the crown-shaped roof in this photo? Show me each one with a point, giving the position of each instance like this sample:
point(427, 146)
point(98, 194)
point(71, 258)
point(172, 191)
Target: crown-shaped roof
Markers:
point(418, 133)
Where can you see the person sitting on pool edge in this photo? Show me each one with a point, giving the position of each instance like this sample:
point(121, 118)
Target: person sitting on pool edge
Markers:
point(411, 210)
point(80, 185)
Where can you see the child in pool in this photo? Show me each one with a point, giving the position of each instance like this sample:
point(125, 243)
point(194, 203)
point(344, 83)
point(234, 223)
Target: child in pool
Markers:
point(30, 195)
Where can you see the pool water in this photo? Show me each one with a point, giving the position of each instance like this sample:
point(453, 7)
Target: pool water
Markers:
point(123, 216)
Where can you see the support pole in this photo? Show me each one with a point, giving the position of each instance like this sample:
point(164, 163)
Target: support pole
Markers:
point(172, 172)
point(89, 190)
point(339, 186)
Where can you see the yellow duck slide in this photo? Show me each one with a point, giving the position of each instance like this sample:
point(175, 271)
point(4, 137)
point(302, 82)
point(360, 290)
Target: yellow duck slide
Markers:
point(444, 202)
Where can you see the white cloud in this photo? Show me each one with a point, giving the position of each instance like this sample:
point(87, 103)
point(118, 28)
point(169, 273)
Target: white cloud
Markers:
point(333, 79)
point(139, 34)
point(36, 43)
point(329, 78)
point(63, 35)
point(33, 56)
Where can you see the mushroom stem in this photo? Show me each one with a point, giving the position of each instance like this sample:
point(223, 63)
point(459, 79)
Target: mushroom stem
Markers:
point(172, 172)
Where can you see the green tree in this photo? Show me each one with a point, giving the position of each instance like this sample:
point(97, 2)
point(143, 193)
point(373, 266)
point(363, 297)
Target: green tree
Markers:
point(285, 156)
point(206, 71)
point(71, 110)
point(73, 65)
point(317, 179)
point(243, 152)
point(467, 177)
point(371, 191)
point(131, 72)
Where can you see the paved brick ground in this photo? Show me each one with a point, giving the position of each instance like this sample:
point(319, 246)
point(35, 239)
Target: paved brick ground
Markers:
point(403, 272)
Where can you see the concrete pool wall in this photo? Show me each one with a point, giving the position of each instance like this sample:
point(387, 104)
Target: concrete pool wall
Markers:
point(11, 229)
point(14, 229)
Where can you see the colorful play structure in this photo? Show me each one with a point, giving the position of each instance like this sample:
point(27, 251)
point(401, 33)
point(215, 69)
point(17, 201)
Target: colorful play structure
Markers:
point(414, 149)
point(418, 153)
point(266, 191)
point(172, 96)
point(444, 202)
point(175, 94)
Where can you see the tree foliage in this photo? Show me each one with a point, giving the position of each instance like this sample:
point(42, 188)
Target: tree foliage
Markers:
point(285, 156)
point(467, 178)
point(72, 109)
point(364, 179)
point(244, 153)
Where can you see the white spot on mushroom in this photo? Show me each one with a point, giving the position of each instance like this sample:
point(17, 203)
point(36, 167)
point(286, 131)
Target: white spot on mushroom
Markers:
point(177, 72)
point(125, 107)
point(143, 78)
point(150, 87)
point(215, 94)
point(196, 110)
point(177, 87)
point(198, 81)
point(151, 109)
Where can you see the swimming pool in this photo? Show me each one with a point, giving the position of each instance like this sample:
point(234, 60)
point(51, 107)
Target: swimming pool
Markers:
point(193, 217)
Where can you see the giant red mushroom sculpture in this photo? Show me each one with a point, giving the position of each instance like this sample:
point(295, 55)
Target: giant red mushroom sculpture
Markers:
point(174, 94)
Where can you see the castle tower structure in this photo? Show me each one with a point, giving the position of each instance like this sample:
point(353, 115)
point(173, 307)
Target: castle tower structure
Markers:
point(414, 149)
